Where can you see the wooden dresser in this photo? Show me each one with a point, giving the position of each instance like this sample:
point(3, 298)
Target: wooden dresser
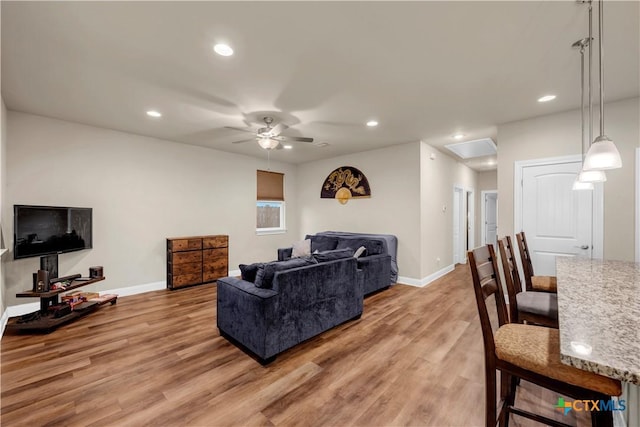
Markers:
point(196, 260)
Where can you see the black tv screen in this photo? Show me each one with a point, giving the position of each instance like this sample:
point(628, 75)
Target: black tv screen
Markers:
point(43, 230)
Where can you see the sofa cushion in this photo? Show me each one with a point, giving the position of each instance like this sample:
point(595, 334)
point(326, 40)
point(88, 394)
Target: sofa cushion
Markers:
point(248, 271)
point(322, 243)
point(301, 249)
point(374, 247)
point(264, 276)
point(333, 255)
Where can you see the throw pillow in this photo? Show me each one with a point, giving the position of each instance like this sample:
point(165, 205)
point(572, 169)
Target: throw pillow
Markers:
point(323, 243)
point(301, 249)
point(248, 272)
point(361, 251)
point(333, 255)
point(260, 279)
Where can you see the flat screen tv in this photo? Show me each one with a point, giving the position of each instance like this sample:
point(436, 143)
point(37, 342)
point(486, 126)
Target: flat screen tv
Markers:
point(44, 230)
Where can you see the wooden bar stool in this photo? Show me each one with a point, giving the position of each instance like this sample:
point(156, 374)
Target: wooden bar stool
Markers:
point(540, 308)
point(533, 282)
point(529, 352)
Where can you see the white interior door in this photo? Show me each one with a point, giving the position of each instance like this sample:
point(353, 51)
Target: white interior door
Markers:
point(556, 219)
point(490, 218)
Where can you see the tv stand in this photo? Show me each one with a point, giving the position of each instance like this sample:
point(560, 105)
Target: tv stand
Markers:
point(43, 320)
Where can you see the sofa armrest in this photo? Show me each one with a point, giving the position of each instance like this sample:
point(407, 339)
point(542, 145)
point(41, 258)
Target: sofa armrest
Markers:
point(284, 253)
point(246, 313)
point(246, 287)
point(373, 259)
point(377, 272)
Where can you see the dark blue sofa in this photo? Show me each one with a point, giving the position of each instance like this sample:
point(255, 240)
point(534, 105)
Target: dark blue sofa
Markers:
point(301, 303)
point(377, 263)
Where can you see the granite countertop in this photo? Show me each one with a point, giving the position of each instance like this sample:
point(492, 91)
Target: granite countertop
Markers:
point(599, 314)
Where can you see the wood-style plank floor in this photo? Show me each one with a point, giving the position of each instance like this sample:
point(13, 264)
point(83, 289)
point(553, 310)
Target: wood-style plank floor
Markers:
point(414, 358)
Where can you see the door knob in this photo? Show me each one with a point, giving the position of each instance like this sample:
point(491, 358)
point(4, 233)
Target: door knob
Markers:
point(583, 247)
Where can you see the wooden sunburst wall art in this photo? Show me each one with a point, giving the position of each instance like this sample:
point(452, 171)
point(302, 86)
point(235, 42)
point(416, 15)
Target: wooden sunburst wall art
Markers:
point(345, 183)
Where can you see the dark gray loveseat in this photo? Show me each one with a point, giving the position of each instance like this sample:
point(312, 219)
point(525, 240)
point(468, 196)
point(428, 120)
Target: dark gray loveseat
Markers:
point(377, 263)
point(301, 302)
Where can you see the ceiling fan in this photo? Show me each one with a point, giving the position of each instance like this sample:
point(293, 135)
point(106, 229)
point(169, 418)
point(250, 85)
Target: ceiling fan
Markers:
point(269, 137)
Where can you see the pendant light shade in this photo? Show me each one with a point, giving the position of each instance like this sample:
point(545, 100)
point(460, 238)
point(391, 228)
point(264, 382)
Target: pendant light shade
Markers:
point(602, 155)
point(592, 176)
point(577, 185)
point(268, 143)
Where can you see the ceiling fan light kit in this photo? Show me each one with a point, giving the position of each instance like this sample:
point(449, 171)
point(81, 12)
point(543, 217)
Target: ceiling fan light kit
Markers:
point(268, 143)
point(269, 137)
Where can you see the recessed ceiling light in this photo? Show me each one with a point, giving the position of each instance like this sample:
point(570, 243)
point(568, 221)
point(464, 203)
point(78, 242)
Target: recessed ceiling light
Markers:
point(546, 98)
point(154, 113)
point(223, 49)
point(287, 147)
point(372, 123)
point(458, 136)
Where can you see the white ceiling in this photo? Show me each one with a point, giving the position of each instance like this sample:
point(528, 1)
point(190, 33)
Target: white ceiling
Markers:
point(424, 70)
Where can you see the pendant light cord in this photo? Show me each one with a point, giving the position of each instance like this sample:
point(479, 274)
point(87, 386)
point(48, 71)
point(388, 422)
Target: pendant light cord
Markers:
point(582, 141)
point(600, 54)
point(590, 79)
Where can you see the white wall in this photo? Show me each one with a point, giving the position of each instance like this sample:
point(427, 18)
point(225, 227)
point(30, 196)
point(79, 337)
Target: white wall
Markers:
point(142, 190)
point(394, 206)
point(438, 177)
point(559, 135)
point(4, 233)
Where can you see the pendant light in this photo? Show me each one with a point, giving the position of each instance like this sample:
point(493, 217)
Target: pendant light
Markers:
point(596, 175)
point(578, 184)
point(603, 153)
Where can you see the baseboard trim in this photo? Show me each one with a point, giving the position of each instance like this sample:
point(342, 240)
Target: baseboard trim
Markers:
point(138, 289)
point(20, 309)
point(3, 321)
point(421, 283)
point(234, 273)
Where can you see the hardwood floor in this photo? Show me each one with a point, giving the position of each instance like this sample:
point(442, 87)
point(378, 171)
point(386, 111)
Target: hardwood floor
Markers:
point(414, 358)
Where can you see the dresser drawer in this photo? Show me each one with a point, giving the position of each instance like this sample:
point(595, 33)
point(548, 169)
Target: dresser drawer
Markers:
point(211, 276)
point(215, 242)
point(185, 257)
point(215, 255)
point(215, 265)
point(186, 268)
point(176, 281)
point(185, 245)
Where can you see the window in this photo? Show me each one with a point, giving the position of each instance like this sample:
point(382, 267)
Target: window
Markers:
point(270, 202)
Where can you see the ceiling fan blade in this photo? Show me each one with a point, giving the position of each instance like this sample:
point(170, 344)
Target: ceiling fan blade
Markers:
point(240, 129)
point(297, 138)
point(241, 141)
point(277, 129)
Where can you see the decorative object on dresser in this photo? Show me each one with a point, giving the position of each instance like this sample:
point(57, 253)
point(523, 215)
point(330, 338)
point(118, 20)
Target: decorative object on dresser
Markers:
point(196, 260)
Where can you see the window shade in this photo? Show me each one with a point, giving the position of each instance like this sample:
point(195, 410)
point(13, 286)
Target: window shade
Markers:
point(270, 185)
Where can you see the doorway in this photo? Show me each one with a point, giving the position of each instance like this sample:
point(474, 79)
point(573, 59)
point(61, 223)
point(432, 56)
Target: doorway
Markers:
point(463, 223)
point(489, 217)
point(558, 220)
